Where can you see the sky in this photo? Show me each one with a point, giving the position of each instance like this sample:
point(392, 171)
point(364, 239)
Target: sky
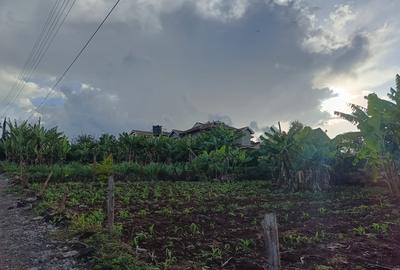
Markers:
point(177, 62)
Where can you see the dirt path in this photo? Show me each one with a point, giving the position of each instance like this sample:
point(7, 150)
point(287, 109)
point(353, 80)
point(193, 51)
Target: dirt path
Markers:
point(25, 241)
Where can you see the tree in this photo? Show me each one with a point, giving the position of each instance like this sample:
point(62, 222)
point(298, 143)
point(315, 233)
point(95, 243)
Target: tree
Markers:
point(85, 149)
point(379, 125)
point(34, 144)
point(107, 146)
point(299, 158)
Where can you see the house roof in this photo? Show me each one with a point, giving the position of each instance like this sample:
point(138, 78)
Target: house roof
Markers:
point(247, 128)
point(176, 131)
point(198, 127)
point(147, 133)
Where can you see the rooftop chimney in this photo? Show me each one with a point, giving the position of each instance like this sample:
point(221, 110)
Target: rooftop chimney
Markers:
point(157, 130)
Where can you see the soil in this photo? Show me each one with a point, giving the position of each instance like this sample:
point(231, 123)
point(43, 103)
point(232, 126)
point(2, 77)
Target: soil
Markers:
point(26, 242)
point(319, 233)
point(196, 226)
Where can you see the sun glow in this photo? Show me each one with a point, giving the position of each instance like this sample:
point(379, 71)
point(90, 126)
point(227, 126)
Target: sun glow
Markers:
point(339, 102)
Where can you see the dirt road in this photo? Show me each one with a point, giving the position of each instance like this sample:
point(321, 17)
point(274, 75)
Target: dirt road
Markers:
point(26, 242)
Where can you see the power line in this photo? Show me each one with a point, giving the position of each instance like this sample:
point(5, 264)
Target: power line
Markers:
point(76, 57)
point(33, 51)
point(43, 46)
point(49, 37)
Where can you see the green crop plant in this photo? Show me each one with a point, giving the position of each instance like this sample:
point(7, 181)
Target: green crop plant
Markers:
point(151, 230)
point(145, 193)
point(295, 239)
point(380, 228)
point(323, 210)
point(118, 229)
point(360, 230)
point(88, 222)
point(319, 236)
point(169, 259)
point(305, 216)
point(214, 254)
point(124, 214)
point(167, 211)
point(194, 229)
point(245, 245)
point(188, 211)
point(139, 238)
point(143, 213)
point(157, 192)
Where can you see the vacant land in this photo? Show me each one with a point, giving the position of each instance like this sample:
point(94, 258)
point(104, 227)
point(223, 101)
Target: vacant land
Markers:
point(207, 225)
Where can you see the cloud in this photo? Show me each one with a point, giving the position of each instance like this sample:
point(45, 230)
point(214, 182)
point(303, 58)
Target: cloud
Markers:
point(176, 62)
point(332, 33)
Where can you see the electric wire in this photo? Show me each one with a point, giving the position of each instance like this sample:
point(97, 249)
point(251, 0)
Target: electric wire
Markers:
point(43, 47)
point(32, 53)
point(75, 59)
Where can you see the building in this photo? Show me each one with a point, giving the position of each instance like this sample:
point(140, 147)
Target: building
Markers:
point(246, 141)
point(157, 131)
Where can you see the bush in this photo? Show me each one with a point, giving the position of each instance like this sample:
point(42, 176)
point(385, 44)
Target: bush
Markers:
point(199, 169)
point(62, 172)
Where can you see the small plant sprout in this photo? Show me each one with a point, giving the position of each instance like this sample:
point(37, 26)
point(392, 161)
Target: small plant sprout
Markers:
point(194, 229)
point(360, 230)
point(305, 216)
point(169, 259)
point(380, 228)
point(138, 239)
point(124, 214)
point(151, 229)
point(245, 245)
point(322, 210)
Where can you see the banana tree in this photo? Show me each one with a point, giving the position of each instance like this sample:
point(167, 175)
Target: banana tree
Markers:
point(299, 157)
point(379, 125)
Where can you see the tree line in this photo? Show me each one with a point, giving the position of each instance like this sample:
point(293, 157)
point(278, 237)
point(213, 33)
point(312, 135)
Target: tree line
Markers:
point(300, 158)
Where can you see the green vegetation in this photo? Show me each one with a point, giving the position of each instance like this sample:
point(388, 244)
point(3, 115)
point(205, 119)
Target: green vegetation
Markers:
point(166, 215)
point(167, 236)
point(379, 125)
point(300, 158)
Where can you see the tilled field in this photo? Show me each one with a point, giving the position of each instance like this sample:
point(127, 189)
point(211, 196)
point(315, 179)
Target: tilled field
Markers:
point(210, 225)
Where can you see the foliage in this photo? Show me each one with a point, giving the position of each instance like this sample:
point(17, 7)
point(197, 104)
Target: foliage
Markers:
point(347, 167)
point(299, 158)
point(105, 168)
point(379, 125)
point(212, 154)
point(34, 144)
point(169, 218)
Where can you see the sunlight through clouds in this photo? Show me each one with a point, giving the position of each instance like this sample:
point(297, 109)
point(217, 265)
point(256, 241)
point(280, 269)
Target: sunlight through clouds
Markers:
point(176, 62)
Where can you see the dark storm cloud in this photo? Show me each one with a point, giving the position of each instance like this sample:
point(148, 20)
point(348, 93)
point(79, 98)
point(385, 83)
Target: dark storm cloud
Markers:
point(353, 54)
point(195, 68)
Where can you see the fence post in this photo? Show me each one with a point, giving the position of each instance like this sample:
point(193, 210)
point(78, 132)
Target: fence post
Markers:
point(110, 203)
point(270, 228)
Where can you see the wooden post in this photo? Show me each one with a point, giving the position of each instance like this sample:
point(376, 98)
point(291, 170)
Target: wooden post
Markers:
point(110, 203)
point(270, 228)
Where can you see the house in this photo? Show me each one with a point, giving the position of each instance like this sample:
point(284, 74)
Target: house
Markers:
point(157, 131)
point(246, 141)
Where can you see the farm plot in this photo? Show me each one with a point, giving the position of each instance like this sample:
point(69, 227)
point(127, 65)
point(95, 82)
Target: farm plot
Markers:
point(209, 225)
